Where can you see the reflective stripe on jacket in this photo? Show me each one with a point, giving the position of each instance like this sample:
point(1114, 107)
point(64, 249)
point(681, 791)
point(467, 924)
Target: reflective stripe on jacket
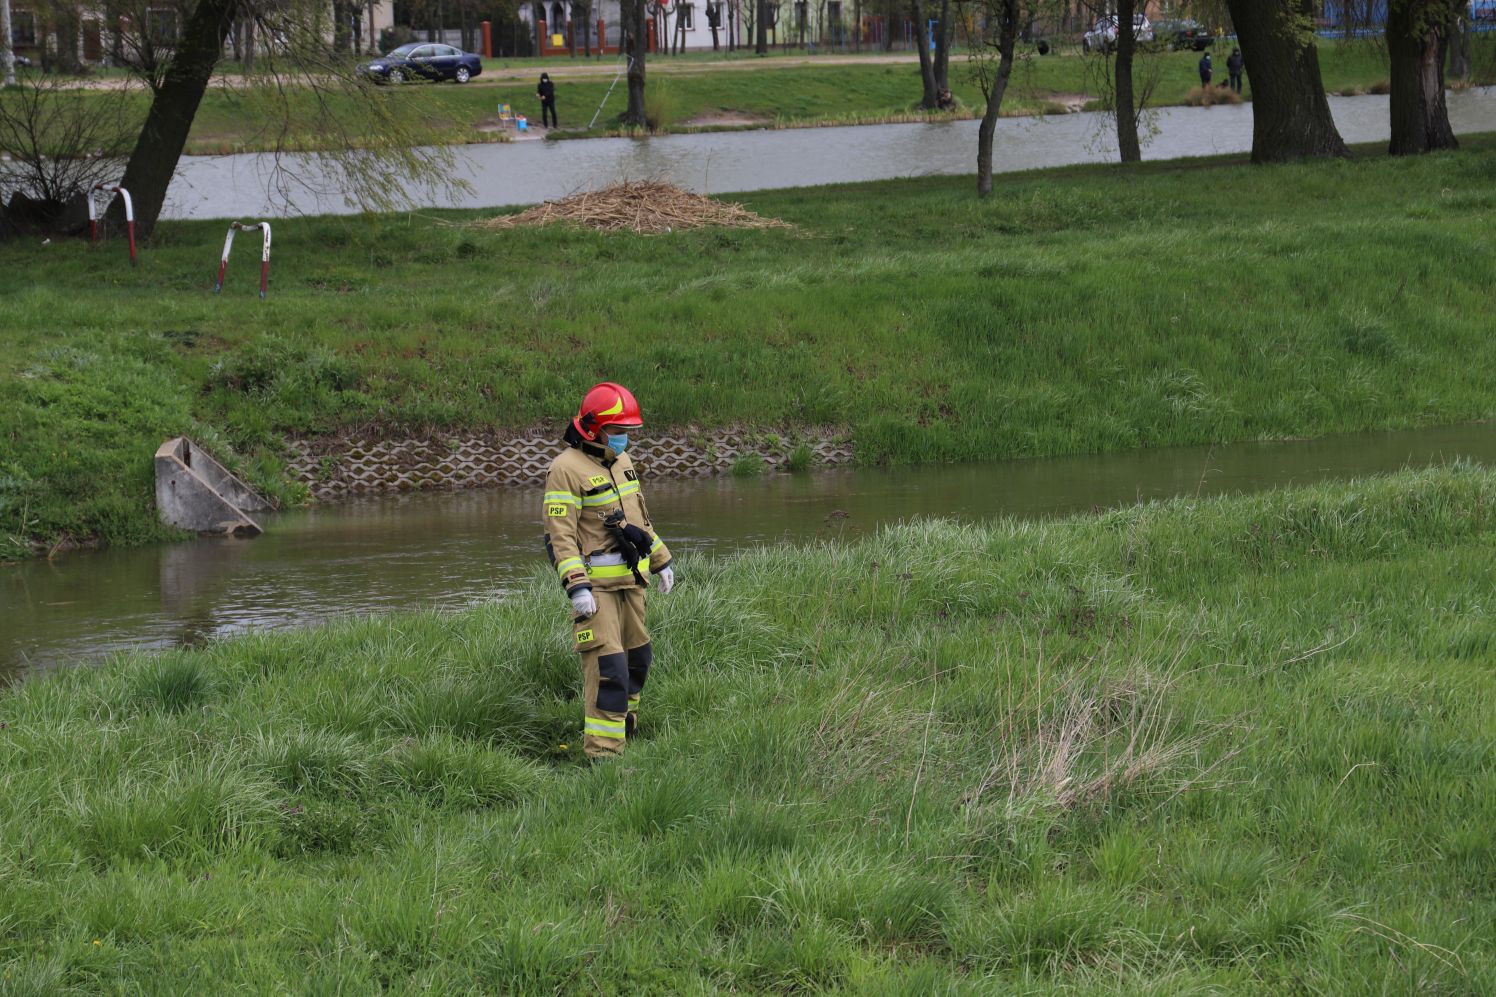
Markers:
point(581, 490)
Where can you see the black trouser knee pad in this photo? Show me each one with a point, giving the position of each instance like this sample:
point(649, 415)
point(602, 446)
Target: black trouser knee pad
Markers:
point(639, 661)
point(613, 683)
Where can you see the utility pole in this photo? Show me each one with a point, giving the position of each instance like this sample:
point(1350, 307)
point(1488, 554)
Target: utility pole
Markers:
point(7, 57)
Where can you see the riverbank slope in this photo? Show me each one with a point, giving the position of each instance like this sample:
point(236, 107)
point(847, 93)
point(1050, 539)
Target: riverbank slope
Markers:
point(1077, 310)
point(1241, 745)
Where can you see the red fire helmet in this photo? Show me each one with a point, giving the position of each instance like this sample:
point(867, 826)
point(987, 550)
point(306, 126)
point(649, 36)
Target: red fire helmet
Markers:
point(607, 404)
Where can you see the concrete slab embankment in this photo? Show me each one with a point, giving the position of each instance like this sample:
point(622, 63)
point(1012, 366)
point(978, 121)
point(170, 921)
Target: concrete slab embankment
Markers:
point(335, 468)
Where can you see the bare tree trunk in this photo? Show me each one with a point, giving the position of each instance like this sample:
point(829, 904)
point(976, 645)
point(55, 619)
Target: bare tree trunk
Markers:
point(761, 43)
point(926, 68)
point(1459, 47)
point(1416, 42)
point(65, 33)
point(7, 55)
point(942, 67)
point(634, 26)
point(249, 44)
point(857, 25)
point(1127, 112)
point(1290, 115)
point(151, 165)
point(341, 35)
point(1006, 14)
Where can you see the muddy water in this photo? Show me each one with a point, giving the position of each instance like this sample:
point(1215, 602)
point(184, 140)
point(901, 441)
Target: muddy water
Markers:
point(530, 172)
point(457, 549)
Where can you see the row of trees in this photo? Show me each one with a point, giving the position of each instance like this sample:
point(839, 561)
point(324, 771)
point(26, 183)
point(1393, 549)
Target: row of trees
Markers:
point(373, 149)
point(1290, 113)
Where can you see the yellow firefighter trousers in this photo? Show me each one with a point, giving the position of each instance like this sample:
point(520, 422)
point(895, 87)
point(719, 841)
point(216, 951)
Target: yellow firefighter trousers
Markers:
point(615, 665)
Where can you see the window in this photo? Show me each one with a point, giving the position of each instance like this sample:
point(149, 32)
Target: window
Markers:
point(833, 12)
point(23, 29)
point(800, 13)
point(687, 16)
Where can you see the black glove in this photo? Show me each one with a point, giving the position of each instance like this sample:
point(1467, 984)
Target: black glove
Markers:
point(639, 540)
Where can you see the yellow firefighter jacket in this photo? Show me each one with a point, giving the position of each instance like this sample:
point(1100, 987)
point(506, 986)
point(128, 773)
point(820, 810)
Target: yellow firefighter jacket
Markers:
point(586, 483)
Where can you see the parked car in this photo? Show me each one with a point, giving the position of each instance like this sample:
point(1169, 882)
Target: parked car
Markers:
point(1103, 37)
point(423, 61)
point(1183, 34)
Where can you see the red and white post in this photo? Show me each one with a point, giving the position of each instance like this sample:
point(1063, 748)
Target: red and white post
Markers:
point(93, 212)
point(228, 244)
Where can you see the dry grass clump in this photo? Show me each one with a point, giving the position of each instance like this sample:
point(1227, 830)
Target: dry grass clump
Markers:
point(1206, 96)
point(639, 206)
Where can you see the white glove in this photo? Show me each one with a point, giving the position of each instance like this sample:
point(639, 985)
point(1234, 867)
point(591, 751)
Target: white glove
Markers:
point(667, 580)
point(583, 603)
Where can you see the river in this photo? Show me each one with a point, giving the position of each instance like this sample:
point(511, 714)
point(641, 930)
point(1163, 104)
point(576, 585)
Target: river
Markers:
point(530, 172)
point(455, 549)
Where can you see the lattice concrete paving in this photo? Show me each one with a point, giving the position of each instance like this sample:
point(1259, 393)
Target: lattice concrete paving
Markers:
point(336, 469)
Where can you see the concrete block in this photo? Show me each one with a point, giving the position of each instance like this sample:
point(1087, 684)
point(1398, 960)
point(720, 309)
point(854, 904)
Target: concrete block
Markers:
point(195, 492)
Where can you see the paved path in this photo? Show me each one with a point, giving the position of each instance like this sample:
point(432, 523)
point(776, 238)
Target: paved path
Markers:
point(712, 162)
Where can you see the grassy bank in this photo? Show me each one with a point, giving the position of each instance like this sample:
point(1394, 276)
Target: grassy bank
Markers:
point(829, 94)
point(1076, 311)
point(690, 94)
point(1237, 746)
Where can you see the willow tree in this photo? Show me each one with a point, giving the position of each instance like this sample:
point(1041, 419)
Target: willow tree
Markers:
point(367, 144)
point(1418, 33)
point(1290, 114)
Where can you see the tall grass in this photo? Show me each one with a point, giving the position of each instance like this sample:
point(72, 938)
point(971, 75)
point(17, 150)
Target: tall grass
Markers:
point(1231, 746)
point(1077, 311)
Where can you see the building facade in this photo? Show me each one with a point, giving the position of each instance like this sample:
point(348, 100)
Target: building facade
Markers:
point(89, 37)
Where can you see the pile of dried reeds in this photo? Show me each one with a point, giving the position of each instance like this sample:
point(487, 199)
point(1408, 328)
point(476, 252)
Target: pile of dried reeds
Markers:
point(639, 206)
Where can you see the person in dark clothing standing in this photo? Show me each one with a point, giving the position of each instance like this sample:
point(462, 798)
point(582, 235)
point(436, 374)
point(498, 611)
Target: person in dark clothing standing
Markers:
point(1205, 68)
point(547, 94)
point(1234, 65)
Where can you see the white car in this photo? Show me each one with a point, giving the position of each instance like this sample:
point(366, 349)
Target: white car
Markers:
point(1103, 37)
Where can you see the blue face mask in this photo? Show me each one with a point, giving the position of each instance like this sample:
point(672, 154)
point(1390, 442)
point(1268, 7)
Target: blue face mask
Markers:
point(619, 443)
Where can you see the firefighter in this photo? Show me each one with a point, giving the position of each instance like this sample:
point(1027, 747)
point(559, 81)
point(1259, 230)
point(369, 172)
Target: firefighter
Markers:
point(602, 544)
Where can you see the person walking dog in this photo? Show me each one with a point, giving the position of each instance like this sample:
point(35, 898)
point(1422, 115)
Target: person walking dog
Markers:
point(546, 91)
point(603, 546)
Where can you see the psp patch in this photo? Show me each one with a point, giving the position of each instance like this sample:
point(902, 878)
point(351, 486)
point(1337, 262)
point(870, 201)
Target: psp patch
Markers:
point(583, 636)
point(598, 479)
point(555, 510)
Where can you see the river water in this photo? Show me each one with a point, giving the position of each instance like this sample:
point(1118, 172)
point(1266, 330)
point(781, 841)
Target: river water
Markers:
point(456, 549)
point(530, 172)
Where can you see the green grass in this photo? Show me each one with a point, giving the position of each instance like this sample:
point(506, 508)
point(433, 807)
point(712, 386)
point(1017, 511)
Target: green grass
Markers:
point(1079, 310)
point(232, 120)
point(1231, 746)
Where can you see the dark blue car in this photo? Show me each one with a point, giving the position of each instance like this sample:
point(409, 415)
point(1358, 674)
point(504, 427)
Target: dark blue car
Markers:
point(423, 61)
